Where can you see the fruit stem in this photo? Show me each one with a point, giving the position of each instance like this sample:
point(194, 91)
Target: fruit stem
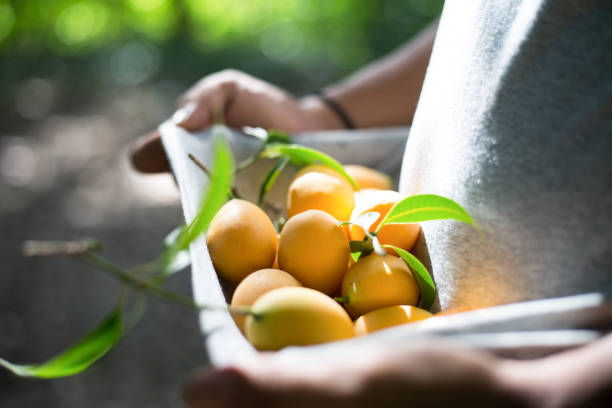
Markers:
point(378, 247)
point(341, 299)
point(199, 164)
point(243, 311)
point(246, 163)
point(105, 265)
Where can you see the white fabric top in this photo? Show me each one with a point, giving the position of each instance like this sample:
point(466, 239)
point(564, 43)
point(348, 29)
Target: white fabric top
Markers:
point(515, 124)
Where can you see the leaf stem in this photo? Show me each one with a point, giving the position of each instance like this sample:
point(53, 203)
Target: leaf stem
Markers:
point(378, 247)
point(199, 164)
point(146, 268)
point(246, 163)
point(124, 276)
point(127, 278)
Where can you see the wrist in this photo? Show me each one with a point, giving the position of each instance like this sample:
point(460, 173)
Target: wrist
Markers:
point(317, 115)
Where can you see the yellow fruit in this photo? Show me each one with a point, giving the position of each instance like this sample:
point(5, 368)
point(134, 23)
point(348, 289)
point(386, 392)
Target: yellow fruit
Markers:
point(314, 249)
point(319, 168)
point(296, 317)
point(320, 191)
point(241, 239)
point(387, 317)
point(378, 281)
point(366, 177)
point(255, 285)
point(381, 201)
point(275, 264)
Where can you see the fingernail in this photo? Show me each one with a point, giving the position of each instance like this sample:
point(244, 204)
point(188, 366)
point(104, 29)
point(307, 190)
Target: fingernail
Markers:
point(184, 113)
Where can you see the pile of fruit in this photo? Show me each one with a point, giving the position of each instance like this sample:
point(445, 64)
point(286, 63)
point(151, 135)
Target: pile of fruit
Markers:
point(339, 268)
point(322, 278)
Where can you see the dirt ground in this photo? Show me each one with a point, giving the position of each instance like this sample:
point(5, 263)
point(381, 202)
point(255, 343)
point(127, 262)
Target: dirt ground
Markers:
point(66, 176)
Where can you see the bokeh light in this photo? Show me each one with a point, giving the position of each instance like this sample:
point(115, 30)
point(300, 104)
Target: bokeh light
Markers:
point(282, 41)
point(134, 63)
point(83, 23)
point(156, 19)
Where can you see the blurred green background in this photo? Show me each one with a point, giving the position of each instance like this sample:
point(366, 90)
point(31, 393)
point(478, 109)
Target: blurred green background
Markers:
point(80, 47)
point(79, 81)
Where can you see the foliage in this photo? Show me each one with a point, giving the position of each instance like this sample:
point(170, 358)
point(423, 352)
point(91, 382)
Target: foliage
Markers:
point(425, 207)
point(301, 45)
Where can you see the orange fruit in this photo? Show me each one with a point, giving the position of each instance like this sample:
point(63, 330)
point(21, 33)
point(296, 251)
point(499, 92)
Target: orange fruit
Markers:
point(375, 281)
point(296, 317)
point(314, 249)
point(320, 191)
point(241, 239)
point(255, 285)
point(369, 200)
point(387, 317)
point(366, 177)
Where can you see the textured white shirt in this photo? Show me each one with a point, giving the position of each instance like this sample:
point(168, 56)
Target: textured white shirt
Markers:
point(514, 123)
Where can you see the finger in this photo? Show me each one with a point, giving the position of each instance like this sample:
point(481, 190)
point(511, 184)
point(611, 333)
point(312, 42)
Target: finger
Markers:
point(193, 116)
point(148, 155)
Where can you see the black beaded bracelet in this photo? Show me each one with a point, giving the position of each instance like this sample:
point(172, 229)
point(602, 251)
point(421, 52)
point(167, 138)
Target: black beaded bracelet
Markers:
point(333, 105)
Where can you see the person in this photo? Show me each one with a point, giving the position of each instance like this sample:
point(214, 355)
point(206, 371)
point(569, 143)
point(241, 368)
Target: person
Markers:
point(513, 121)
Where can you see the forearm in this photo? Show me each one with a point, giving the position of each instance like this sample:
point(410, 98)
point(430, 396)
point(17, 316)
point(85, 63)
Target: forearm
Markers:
point(384, 93)
point(577, 378)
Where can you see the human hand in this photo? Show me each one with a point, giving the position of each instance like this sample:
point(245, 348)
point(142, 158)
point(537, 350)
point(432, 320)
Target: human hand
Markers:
point(432, 375)
point(241, 100)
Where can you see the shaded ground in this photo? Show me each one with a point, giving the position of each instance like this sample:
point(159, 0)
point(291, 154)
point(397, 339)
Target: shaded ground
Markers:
point(66, 177)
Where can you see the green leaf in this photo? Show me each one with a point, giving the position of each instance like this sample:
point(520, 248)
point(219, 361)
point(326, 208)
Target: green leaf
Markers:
point(426, 284)
point(78, 357)
point(175, 255)
point(173, 258)
point(277, 136)
point(91, 348)
point(217, 192)
point(425, 207)
point(303, 156)
point(271, 178)
point(360, 246)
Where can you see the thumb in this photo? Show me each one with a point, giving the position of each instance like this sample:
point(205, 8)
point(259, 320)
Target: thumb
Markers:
point(192, 116)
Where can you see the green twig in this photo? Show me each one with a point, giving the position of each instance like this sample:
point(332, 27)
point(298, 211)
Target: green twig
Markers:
point(127, 278)
point(124, 276)
point(199, 164)
point(246, 163)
